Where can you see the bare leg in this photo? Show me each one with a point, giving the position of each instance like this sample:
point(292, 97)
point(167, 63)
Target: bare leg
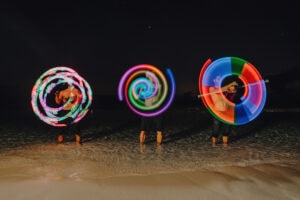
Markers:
point(225, 141)
point(214, 141)
point(142, 137)
point(78, 139)
point(159, 137)
point(60, 139)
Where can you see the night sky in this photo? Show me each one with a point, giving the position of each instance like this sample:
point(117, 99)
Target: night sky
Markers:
point(102, 40)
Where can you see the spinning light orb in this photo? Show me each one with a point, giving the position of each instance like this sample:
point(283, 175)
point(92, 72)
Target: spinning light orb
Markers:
point(43, 96)
point(252, 97)
point(146, 90)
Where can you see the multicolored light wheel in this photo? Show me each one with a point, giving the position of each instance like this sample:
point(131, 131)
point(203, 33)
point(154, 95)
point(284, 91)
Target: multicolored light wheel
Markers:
point(43, 95)
point(252, 99)
point(146, 90)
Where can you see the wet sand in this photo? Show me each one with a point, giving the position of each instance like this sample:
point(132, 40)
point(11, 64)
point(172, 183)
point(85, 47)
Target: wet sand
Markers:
point(68, 171)
point(263, 163)
point(267, 181)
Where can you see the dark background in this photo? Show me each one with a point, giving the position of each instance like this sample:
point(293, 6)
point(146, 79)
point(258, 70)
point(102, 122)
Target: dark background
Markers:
point(102, 40)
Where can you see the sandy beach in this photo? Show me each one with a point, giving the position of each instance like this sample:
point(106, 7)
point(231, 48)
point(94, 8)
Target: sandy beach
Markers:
point(252, 182)
point(262, 162)
point(68, 171)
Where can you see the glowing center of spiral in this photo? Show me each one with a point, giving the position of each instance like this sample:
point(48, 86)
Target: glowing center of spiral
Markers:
point(146, 90)
point(252, 93)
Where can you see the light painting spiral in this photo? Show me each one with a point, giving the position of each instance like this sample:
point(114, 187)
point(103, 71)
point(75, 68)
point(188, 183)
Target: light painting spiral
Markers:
point(252, 99)
point(43, 96)
point(146, 90)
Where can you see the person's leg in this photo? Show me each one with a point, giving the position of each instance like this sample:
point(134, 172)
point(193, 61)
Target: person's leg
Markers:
point(75, 129)
point(63, 131)
point(158, 127)
point(77, 138)
point(142, 136)
point(144, 127)
point(215, 133)
point(159, 137)
point(60, 138)
point(226, 129)
point(225, 140)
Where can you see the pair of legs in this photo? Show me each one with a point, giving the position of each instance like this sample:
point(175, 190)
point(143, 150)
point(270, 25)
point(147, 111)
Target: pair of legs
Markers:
point(150, 123)
point(60, 138)
point(220, 128)
point(71, 128)
point(158, 137)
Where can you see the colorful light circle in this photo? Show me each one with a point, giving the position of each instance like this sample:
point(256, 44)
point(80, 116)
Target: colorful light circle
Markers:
point(146, 90)
point(254, 90)
point(42, 96)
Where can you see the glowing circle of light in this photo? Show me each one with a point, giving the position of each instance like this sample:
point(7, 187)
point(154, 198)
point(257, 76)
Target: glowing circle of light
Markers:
point(253, 99)
point(144, 82)
point(42, 96)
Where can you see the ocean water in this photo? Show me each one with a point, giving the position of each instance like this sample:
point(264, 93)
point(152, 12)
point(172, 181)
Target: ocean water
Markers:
point(111, 144)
